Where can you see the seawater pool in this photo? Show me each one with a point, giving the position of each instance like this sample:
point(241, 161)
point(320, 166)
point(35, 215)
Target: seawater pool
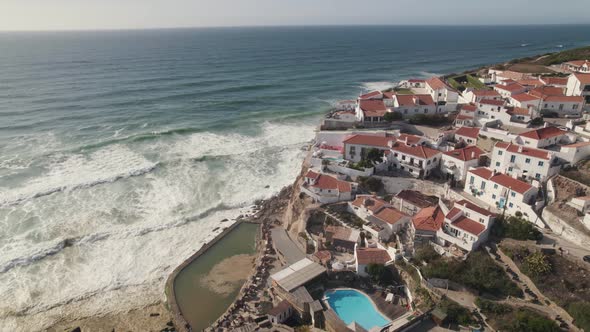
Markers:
point(354, 306)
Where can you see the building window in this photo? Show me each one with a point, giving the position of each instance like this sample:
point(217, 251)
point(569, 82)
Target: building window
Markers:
point(538, 176)
point(495, 186)
point(512, 158)
point(527, 160)
point(510, 205)
point(575, 106)
point(500, 152)
point(509, 169)
point(472, 180)
point(513, 194)
point(497, 164)
point(541, 163)
point(483, 185)
point(494, 196)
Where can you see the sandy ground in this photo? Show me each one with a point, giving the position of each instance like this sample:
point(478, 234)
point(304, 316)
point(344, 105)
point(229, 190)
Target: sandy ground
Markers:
point(150, 318)
point(224, 276)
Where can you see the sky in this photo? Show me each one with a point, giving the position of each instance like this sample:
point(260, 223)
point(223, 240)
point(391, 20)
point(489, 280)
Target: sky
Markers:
point(143, 14)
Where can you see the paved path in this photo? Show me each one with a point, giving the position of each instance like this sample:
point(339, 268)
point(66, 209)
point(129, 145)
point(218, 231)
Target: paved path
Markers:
point(552, 309)
point(550, 238)
point(286, 246)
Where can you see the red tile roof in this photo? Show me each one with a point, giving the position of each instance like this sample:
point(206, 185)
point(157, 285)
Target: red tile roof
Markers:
point(370, 140)
point(372, 107)
point(463, 117)
point(576, 145)
point(518, 111)
point(454, 211)
point(578, 63)
point(467, 153)
point(324, 181)
point(544, 91)
point(389, 94)
point(414, 100)
point(429, 219)
point(372, 203)
point(390, 215)
point(554, 80)
point(475, 208)
point(469, 108)
point(371, 95)
point(436, 83)
point(522, 97)
point(486, 92)
point(502, 179)
point(468, 225)
point(530, 82)
point(468, 132)
point(542, 133)
point(415, 150)
point(520, 149)
point(367, 256)
point(565, 99)
point(416, 80)
point(409, 139)
point(495, 102)
point(510, 87)
point(417, 198)
point(583, 78)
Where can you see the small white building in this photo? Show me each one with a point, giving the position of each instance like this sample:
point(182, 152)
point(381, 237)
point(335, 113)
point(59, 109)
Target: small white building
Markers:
point(506, 91)
point(581, 203)
point(466, 116)
point(456, 163)
point(578, 85)
point(366, 256)
point(524, 161)
point(410, 105)
point(579, 66)
point(466, 225)
point(563, 105)
point(575, 152)
point(382, 218)
point(440, 91)
point(427, 222)
point(543, 137)
point(371, 111)
point(280, 313)
point(325, 189)
point(490, 109)
point(500, 190)
point(418, 160)
point(357, 146)
point(475, 96)
point(525, 100)
point(468, 135)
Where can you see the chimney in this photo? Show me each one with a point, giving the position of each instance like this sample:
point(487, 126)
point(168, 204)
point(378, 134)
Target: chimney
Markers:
point(520, 149)
point(545, 125)
point(472, 154)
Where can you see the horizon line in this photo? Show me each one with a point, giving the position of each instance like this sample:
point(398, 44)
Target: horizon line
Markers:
point(289, 26)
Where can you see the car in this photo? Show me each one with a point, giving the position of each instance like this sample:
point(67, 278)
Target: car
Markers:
point(586, 258)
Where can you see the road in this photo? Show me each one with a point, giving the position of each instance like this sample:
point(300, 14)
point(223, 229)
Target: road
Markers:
point(550, 238)
point(286, 246)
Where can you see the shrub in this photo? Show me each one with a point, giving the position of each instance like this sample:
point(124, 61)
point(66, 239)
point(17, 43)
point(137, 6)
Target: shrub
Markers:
point(536, 264)
point(488, 307)
point(379, 273)
point(374, 155)
point(370, 183)
point(529, 321)
point(580, 311)
point(517, 228)
point(393, 116)
point(429, 119)
point(426, 253)
point(538, 121)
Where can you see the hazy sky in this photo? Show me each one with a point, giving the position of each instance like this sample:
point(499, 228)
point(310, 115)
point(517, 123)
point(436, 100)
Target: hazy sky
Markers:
point(122, 14)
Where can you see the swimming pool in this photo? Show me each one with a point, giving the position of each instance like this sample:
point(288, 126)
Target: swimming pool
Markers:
point(354, 306)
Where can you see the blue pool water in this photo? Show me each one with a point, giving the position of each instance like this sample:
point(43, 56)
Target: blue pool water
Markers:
point(354, 306)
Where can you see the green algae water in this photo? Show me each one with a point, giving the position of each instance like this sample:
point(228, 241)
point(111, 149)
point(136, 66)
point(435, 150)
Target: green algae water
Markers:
point(199, 303)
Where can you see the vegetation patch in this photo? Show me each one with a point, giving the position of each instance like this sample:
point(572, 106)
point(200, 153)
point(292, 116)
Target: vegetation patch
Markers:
point(462, 82)
point(504, 317)
point(565, 282)
point(430, 120)
point(515, 227)
point(478, 272)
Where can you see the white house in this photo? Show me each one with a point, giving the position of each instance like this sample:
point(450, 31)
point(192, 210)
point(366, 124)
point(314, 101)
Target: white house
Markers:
point(382, 218)
point(525, 100)
point(501, 190)
point(440, 91)
point(524, 161)
point(560, 82)
point(457, 162)
point(517, 114)
point(427, 222)
point(325, 189)
point(563, 105)
point(543, 137)
point(466, 116)
point(467, 134)
point(366, 256)
point(506, 91)
point(475, 96)
point(409, 105)
point(466, 225)
point(418, 160)
point(370, 111)
point(580, 66)
point(356, 147)
point(373, 95)
point(280, 313)
point(575, 152)
point(578, 85)
point(489, 109)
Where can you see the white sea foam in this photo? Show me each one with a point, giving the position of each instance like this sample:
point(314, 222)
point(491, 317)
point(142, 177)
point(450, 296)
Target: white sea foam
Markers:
point(372, 86)
point(109, 247)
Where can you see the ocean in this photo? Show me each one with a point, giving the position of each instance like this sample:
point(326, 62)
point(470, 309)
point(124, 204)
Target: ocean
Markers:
point(121, 151)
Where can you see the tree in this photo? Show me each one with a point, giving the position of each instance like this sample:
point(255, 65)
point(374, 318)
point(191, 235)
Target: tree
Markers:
point(379, 273)
point(393, 116)
point(516, 227)
point(363, 241)
point(370, 183)
point(374, 155)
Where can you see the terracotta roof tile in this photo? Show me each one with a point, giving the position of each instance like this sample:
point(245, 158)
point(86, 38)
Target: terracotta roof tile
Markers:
point(468, 132)
point(467, 153)
point(390, 215)
point(415, 150)
point(583, 78)
point(475, 208)
point(542, 133)
point(502, 179)
point(372, 107)
point(523, 150)
point(429, 219)
point(468, 225)
point(370, 140)
point(366, 256)
point(371, 95)
point(522, 97)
